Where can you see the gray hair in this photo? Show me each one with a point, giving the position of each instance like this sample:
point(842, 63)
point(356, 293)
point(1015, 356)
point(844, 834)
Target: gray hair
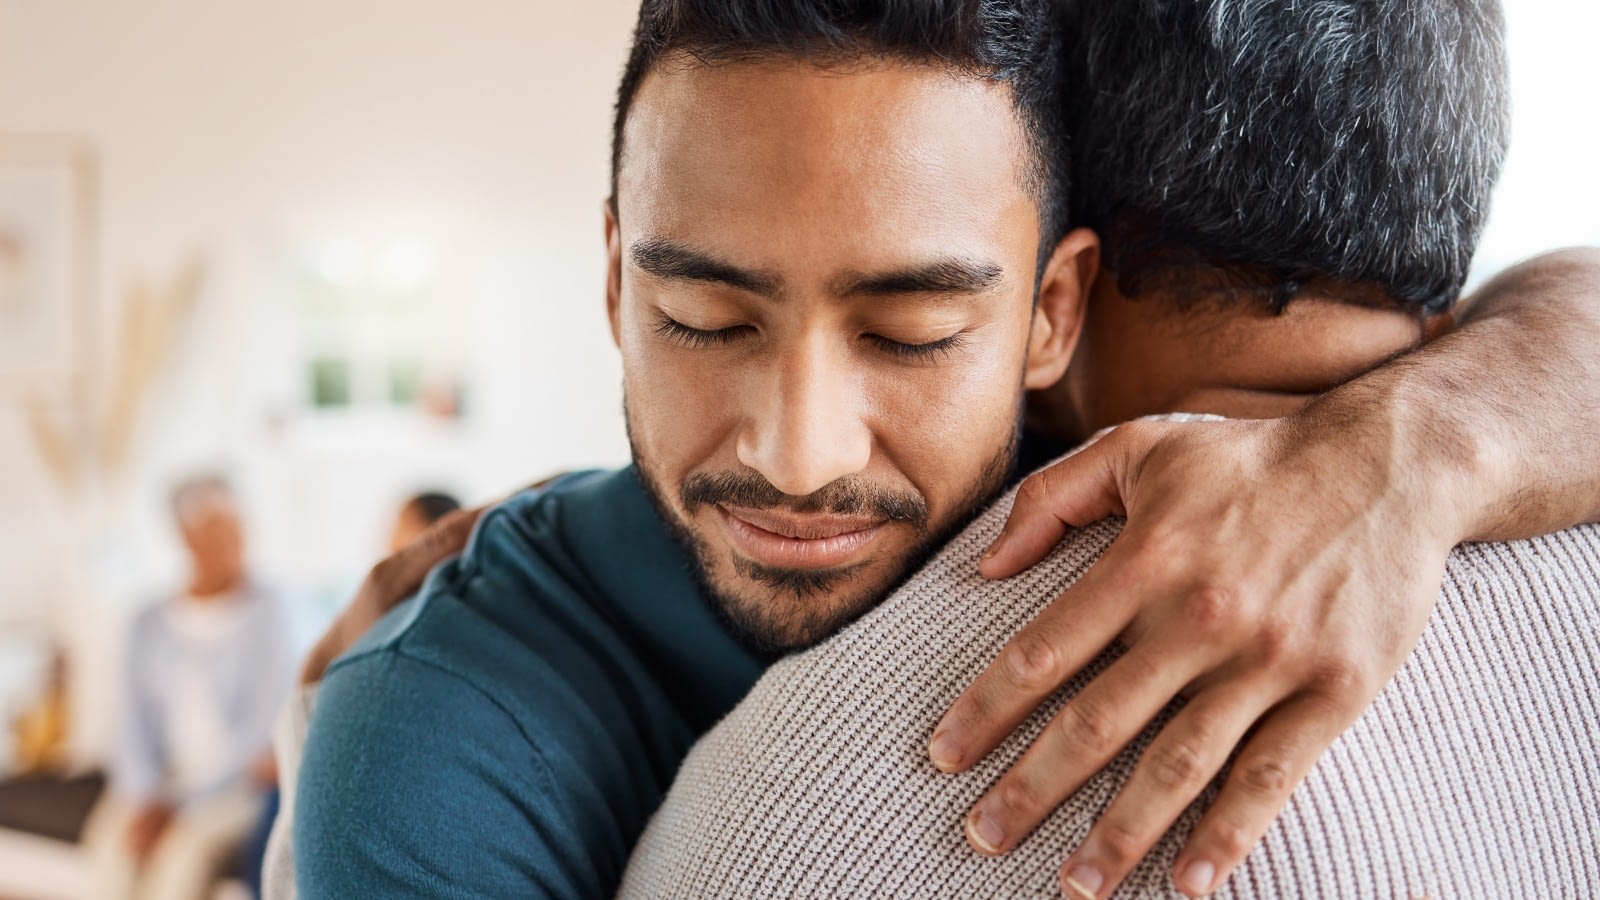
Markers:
point(1280, 141)
point(193, 496)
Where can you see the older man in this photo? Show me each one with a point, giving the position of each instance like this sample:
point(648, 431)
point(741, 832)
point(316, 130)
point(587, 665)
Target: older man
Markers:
point(1264, 284)
point(207, 671)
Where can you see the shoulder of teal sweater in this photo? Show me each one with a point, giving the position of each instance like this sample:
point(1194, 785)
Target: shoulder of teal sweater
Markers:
point(513, 567)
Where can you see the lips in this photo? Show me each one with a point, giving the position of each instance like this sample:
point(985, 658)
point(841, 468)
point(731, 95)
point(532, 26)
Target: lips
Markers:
point(787, 540)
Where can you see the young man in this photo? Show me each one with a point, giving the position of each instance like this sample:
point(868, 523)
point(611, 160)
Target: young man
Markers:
point(818, 784)
point(839, 258)
point(782, 227)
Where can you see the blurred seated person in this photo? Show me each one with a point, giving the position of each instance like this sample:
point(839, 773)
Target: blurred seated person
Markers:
point(207, 670)
point(417, 515)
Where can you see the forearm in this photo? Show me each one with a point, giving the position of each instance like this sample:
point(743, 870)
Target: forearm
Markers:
point(1502, 415)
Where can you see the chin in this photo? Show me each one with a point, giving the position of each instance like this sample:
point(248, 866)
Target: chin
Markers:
point(778, 611)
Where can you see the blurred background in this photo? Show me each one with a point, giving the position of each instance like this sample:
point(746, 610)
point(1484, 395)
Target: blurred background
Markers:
point(342, 253)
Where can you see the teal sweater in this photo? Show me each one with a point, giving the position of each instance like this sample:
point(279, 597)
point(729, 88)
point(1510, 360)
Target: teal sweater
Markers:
point(509, 731)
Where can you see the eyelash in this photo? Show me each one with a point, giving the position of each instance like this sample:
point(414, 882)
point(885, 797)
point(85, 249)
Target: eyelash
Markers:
point(697, 337)
point(722, 337)
point(921, 352)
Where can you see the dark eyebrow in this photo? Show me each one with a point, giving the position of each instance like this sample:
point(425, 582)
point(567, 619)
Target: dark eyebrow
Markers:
point(946, 276)
point(667, 260)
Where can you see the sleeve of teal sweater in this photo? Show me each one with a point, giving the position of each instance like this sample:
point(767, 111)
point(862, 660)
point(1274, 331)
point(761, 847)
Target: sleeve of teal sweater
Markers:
point(509, 731)
point(428, 788)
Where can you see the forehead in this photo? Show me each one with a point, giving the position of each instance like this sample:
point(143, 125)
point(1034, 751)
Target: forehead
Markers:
point(782, 152)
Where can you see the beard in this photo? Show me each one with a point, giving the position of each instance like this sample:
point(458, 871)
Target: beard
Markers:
point(779, 610)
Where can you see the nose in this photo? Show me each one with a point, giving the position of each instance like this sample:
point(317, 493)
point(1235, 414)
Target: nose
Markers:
point(807, 428)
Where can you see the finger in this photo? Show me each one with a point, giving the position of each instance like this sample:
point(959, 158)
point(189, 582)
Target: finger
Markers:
point(1083, 488)
point(316, 662)
point(402, 573)
point(389, 582)
point(1272, 764)
point(1176, 767)
point(442, 540)
point(1060, 640)
point(1091, 729)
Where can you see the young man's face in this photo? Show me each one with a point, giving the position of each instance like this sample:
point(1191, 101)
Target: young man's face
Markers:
point(822, 284)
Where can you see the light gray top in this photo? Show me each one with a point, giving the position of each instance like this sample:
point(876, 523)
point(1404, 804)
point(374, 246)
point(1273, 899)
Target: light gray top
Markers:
point(1476, 773)
point(201, 686)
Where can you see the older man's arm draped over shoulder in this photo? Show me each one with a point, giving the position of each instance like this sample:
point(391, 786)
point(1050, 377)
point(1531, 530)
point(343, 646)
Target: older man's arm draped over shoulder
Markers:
point(1282, 569)
point(1512, 398)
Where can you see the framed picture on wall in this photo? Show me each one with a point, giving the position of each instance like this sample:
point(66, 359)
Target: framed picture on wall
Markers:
point(47, 205)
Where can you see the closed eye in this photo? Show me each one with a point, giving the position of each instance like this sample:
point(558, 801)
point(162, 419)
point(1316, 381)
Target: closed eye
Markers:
point(699, 337)
point(920, 352)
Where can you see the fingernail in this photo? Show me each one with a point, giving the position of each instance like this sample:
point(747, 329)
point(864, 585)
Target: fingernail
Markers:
point(985, 831)
point(994, 548)
point(945, 752)
point(1084, 881)
point(1197, 877)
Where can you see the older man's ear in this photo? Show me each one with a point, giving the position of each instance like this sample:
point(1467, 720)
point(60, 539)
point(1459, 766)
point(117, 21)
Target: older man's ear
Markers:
point(1063, 299)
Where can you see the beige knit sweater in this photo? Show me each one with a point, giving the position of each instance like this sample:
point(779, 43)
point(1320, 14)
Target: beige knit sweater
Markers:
point(1475, 774)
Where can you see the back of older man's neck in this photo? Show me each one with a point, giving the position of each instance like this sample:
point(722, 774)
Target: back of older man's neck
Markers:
point(1152, 354)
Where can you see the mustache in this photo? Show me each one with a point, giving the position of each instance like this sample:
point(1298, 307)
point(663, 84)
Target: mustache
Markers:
point(845, 497)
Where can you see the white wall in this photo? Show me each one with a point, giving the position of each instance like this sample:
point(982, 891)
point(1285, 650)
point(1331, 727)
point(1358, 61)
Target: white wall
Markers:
point(1550, 189)
point(250, 132)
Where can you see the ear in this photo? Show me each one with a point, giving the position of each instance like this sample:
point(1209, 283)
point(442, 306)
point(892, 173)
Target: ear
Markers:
point(613, 271)
point(1058, 317)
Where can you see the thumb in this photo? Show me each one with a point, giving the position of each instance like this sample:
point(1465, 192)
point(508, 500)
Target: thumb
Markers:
point(1082, 488)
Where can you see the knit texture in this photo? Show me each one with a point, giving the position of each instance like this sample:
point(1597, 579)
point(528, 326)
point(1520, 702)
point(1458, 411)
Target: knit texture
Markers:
point(1476, 772)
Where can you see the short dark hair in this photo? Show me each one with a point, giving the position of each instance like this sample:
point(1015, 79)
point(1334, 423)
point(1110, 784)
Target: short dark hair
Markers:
point(1354, 140)
point(433, 505)
point(1018, 42)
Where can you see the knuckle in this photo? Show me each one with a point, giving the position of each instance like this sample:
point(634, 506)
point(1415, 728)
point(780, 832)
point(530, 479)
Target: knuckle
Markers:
point(965, 712)
point(1031, 662)
point(1086, 727)
point(1119, 844)
point(1212, 611)
point(1136, 432)
point(1230, 841)
point(976, 705)
point(980, 704)
point(1265, 776)
point(1177, 766)
point(1034, 490)
point(1340, 676)
point(1019, 796)
point(1276, 644)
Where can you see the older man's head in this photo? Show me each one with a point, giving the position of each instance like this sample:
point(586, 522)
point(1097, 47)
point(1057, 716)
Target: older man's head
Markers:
point(1287, 193)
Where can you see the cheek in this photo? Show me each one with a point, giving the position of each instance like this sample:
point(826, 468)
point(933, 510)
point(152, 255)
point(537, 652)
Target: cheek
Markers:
point(943, 429)
point(680, 409)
